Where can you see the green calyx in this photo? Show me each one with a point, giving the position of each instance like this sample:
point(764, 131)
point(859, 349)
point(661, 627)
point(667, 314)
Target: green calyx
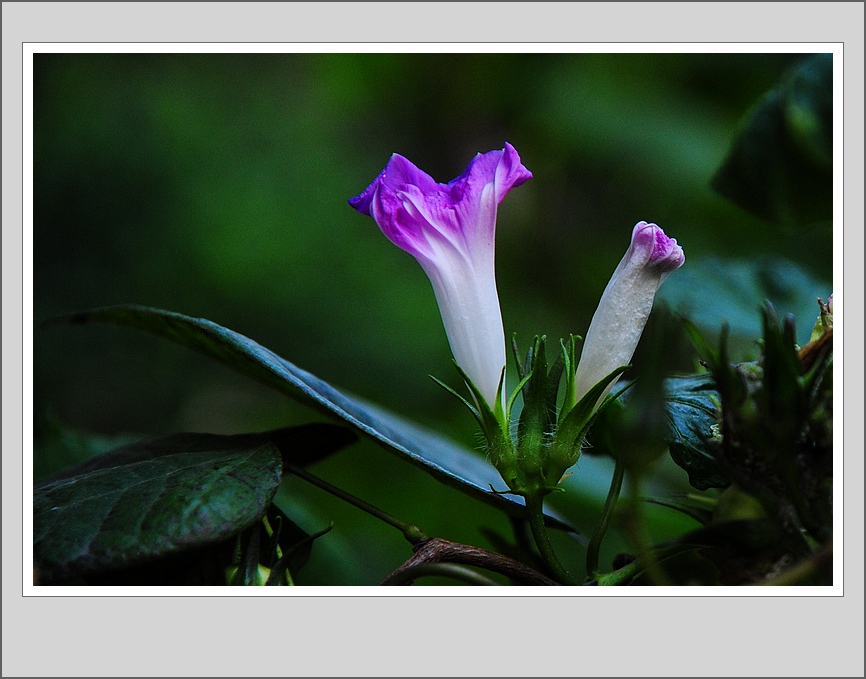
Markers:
point(574, 426)
point(550, 431)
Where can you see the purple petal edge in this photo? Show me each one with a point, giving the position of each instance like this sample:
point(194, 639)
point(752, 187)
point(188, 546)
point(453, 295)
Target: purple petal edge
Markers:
point(503, 167)
point(664, 252)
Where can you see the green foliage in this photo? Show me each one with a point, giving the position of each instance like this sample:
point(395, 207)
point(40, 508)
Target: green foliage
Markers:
point(239, 166)
point(571, 432)
point(122, 515)
point(549, 434)
point(687, 423)
point(698, 507)
point(440, 457)
point(763, 428)
point(716, 291)
point(692, 406)
point(162, 496)
point(762, 432)
point(774, 432)
point(270, 551)
point(780, 166)
point(540, 393)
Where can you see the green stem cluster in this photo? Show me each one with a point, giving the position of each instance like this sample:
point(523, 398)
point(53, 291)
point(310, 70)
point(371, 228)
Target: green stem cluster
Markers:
point(533, 457)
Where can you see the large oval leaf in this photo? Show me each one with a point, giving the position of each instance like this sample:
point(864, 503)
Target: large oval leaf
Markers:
point(121, 515)
point(717, 290)
point(690, 406)
point(444, 459)
point(780, 166)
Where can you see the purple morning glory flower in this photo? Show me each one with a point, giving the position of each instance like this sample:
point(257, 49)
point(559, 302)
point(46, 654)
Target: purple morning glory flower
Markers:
point(450, 228)
point(625, 305)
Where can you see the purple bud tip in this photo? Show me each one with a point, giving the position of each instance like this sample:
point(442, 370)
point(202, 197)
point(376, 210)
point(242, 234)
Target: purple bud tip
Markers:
point(661, 251)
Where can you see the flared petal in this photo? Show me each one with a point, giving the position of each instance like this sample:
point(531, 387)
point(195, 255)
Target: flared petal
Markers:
point(450, 229)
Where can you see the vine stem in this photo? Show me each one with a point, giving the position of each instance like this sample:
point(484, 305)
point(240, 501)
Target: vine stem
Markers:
point(535, 510)
point(449, 570)
point(410, 531)
point(595, 542)
point(440, 551)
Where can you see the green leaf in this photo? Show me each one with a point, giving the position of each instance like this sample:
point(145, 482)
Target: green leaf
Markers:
point(117, 516)
point(780, 165)
point(471, 408)
point(691, 419)
point(296, 544)
point(571, 434)
point(714, 291)
point(271, 551)
point(164, 495)
point(492, 420)
point(694, 506)
point(442, 458)
point(577, 420)
point(747, 535)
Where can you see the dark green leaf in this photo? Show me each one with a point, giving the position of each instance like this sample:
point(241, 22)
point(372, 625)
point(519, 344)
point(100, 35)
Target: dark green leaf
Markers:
point(445, 460)
point(780, 165)
point(577, 421)
point(686, 567)
point(153, 505)
point(700, 509)
point(714, 291)
point(301, 445)
point(745, 534)
point(296, 546)
point(691, 417)
point(782, 395)
point(248, 573)
point(290, 536)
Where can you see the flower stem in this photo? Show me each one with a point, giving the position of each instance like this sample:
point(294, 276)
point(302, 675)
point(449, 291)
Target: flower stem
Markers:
point(410, 531)
point(609, 504)
point(535, 510)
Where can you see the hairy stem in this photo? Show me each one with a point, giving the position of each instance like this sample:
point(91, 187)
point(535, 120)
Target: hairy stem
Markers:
point(535, 510)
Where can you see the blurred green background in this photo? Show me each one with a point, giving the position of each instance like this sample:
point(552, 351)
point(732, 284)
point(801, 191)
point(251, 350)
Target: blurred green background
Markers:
point(215, 185)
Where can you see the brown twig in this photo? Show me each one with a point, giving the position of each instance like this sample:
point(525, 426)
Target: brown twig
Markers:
point(437, 550)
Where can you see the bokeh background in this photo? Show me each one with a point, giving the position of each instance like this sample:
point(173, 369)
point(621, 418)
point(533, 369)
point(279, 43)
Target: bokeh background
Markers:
point(216, 186)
